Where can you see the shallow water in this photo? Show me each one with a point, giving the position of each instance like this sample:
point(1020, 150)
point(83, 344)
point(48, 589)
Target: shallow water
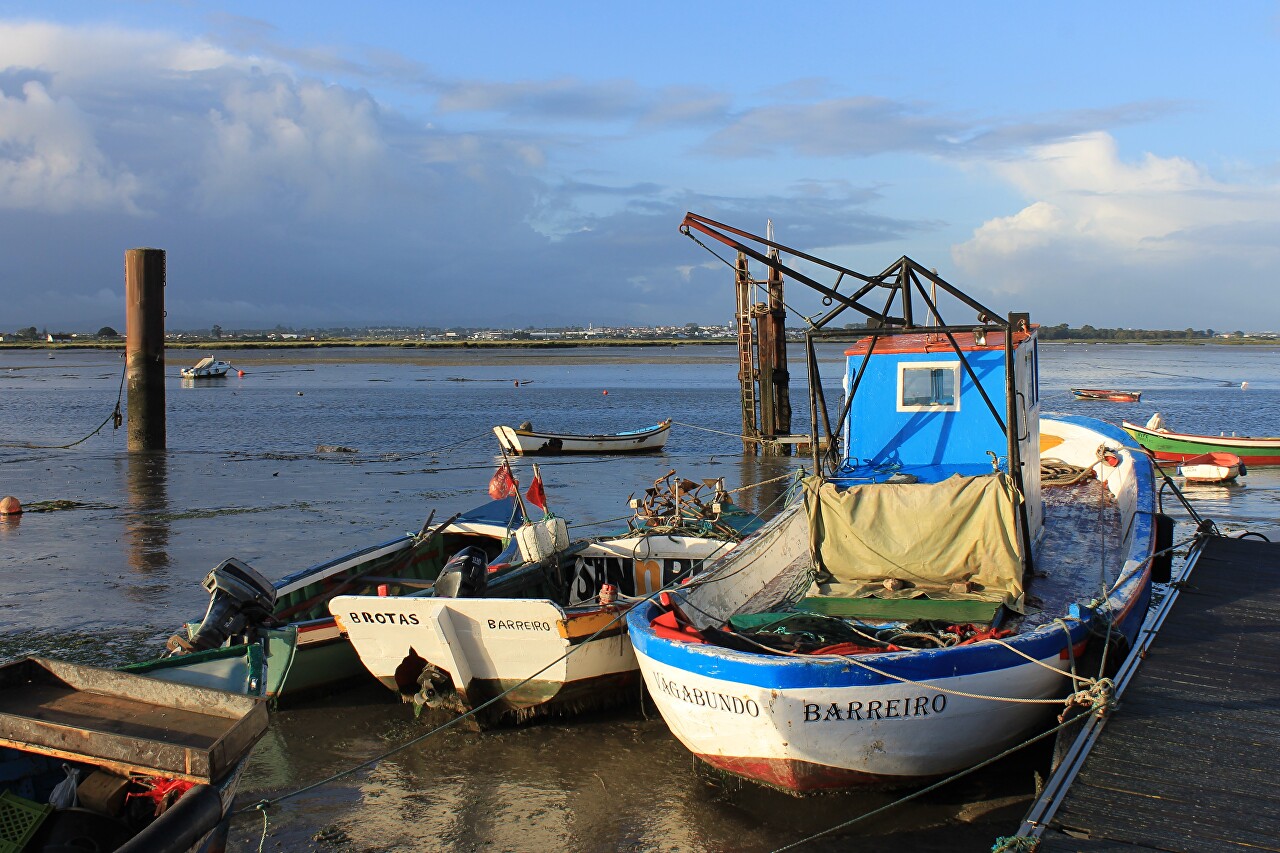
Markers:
point(107, 579)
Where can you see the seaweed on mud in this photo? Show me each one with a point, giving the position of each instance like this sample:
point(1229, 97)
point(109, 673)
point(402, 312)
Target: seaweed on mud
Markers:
point(217, 512)
point(58, 505)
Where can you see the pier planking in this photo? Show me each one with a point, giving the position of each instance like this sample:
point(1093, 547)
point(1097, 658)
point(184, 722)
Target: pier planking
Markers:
point(1189, 760)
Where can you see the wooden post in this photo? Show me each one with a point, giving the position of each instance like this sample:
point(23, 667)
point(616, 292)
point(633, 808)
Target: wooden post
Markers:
point(746, 356)
point(779, 376)
point(144, 271)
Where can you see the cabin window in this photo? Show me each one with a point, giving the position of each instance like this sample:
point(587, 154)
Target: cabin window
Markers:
point(929, 386)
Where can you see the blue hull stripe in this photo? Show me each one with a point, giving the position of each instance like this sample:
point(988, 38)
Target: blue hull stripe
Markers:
point(782, 672)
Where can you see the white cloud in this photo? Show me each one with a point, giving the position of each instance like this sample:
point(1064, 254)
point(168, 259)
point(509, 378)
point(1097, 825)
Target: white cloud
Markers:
point(1103, 231)
point(318, 147)
point(50, 161)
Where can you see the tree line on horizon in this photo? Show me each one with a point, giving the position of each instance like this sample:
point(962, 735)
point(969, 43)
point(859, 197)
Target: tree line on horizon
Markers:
point(1063, 332)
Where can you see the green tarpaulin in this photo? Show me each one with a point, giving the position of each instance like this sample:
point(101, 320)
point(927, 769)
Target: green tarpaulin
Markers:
point(928, 536)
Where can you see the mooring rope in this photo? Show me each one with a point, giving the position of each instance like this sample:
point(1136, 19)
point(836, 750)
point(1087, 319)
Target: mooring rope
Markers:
point(114, 416)
point(720, 432)
point(928, 789)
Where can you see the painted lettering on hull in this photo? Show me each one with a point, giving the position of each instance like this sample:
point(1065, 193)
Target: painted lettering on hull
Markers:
point(711, 699)
point(904, 707)
point(368, 618)
point(518, 625)
point(631, 577)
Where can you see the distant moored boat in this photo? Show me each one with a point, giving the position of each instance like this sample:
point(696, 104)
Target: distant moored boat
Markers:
point(1107, 394)
point(523, 440)
point(206, 368)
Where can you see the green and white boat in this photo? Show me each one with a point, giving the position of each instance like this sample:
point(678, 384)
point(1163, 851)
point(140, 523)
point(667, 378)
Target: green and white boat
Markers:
point(289, 620)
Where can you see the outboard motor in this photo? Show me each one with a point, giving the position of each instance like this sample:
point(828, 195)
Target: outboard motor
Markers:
point(240, 600)
point(465, 575)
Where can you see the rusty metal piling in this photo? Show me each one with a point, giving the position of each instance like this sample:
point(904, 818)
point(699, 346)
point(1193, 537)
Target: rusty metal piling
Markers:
point(144, 274)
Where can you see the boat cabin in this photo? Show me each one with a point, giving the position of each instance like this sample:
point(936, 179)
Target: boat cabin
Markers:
point(924, 504)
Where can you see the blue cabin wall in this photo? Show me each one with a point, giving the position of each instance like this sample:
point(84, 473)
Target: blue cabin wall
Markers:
point(878, 432)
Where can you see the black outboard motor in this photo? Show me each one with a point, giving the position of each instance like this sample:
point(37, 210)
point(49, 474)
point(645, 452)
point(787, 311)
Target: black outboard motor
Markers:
point(465, 575)
point(240, 600)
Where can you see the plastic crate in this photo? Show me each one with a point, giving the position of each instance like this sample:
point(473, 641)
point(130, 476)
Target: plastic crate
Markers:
point(19, 820)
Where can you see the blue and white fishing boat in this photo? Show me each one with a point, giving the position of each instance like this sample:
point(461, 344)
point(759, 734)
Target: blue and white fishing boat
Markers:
point(923, 603)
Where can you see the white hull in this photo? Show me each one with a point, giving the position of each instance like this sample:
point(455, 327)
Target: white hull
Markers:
point(1209, 473)
point(807, 739)
point(489, 645)
point(555, 658)
point(207, 368)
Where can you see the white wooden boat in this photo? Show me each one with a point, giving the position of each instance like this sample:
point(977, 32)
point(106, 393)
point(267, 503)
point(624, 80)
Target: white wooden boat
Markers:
point(526, 441)
point(923, 608)
point(96, 744)
point(546, 638)
point(1213, 467)
point(206, 368)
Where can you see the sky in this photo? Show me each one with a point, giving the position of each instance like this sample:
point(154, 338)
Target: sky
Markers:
point(515, 164)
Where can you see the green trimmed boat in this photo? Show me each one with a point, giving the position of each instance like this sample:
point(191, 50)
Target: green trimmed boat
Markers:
point(289, 620)
point(1168, 446)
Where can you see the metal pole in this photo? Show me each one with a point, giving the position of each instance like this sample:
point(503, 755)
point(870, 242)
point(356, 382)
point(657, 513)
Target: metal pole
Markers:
point(144, 272)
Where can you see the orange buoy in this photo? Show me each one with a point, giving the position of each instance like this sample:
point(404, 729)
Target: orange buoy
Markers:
point(9, 505)
point(606, 393)
point(239, 373)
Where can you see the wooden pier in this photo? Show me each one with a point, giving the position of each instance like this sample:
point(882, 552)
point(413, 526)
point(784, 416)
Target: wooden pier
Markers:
point(1189, 760)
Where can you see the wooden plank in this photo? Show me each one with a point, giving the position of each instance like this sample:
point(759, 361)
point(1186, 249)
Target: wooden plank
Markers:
point(125, 721)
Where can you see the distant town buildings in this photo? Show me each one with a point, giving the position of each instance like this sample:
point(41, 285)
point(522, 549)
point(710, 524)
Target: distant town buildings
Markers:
point(675, 332)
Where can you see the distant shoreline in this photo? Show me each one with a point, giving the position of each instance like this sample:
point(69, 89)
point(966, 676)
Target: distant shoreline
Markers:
point(331, 343)
point(556, 344)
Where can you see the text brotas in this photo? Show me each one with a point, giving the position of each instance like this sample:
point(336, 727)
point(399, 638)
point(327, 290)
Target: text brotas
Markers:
point(383, 618)
point(708, 698)
point(876, 709)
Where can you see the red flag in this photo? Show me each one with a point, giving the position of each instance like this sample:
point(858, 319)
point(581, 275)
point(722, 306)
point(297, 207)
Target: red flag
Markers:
point(536, 494)
point(502, 484)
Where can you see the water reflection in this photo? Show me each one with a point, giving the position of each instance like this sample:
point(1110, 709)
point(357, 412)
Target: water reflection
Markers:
point(769, 481)
point(9, 524)
point(146, 526)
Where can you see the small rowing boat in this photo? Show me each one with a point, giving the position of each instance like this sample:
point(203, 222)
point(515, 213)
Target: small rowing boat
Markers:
point(1213, 467)
point(1167, 446)
point(1110, 395)
point(524, 440)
